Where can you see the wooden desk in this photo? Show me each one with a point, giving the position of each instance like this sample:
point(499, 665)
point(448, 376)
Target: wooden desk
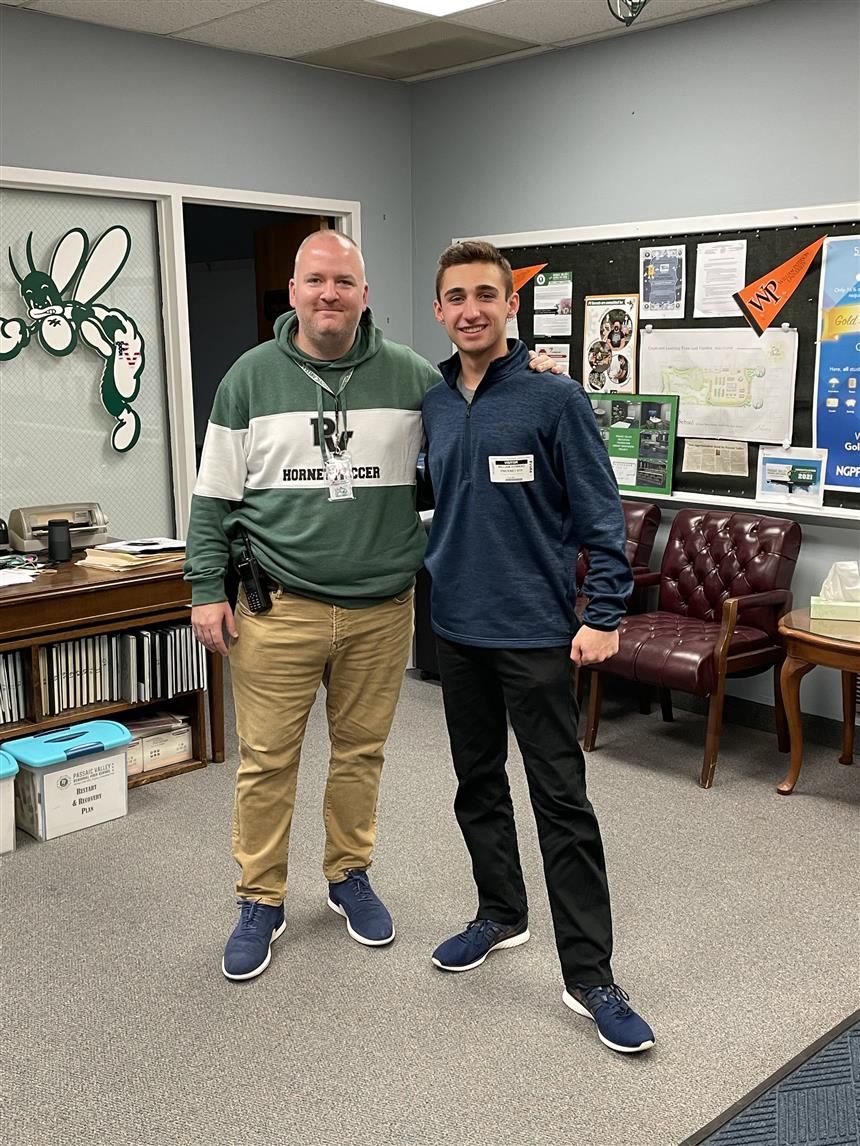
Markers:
point(76, 601)
point(808, 643)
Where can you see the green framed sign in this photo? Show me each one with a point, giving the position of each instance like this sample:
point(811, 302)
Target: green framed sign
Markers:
point(639, 432)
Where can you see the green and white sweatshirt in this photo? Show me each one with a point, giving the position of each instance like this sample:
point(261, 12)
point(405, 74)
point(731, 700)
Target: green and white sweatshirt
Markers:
point(262, 469)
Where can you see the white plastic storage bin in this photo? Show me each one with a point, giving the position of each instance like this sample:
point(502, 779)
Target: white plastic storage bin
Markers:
point(70, 778)
point(8, 771)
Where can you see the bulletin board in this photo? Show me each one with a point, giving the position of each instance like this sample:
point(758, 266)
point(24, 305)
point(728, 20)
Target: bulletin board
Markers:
point(606, 261)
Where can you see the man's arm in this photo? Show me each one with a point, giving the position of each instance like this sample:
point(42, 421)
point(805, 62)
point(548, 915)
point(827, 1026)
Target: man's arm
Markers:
point(208, 552)
point(220, 485)
point(598, 524)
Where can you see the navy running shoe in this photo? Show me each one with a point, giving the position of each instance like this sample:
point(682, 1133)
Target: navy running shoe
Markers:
point(249, 949)
point(618, 1025)
point(367, 918)
point(471, 947)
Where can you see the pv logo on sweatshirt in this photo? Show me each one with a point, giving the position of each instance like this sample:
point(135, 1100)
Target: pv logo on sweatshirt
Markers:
point(329, 427)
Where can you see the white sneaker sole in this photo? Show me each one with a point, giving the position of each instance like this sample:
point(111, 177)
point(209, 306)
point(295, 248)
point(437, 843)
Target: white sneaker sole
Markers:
point(257, 970)
point(575, 1005)
point(354, 934)
point(514, 941)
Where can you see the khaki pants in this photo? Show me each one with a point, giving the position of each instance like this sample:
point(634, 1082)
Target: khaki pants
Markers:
point(277, 665)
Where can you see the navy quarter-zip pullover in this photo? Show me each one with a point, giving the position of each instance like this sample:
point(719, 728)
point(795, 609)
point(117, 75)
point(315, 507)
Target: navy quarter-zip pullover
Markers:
point(521, 479)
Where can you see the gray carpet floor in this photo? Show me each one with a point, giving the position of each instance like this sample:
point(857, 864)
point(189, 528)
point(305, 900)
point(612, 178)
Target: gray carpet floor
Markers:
point(736, 935)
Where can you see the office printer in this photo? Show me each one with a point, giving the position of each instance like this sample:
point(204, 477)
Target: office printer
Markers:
point(28, 527)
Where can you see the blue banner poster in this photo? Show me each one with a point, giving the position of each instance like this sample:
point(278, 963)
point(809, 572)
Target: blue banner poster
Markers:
point(837, 364)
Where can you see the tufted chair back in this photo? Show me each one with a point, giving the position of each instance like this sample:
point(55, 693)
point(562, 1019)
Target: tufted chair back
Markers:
point(641, 521)
point(713, 555)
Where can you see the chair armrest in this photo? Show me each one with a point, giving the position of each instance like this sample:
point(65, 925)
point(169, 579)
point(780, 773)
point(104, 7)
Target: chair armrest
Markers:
point(727, 631)
point(732, 606)
point(774, 597)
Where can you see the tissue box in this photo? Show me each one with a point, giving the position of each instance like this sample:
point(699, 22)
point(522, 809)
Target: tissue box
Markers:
point(834, 610)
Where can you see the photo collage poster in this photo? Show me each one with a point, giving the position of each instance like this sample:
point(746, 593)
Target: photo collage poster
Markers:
point(609, 346)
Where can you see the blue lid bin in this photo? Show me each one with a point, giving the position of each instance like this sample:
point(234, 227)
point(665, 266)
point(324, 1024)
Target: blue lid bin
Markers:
point(70, 778)
point(8, 771)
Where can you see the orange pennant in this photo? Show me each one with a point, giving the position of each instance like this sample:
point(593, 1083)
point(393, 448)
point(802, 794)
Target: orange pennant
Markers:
point(526, 274)
point(762, 300)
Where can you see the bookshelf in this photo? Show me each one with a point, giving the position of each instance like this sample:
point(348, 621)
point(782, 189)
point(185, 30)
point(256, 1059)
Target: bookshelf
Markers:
point(75, 602)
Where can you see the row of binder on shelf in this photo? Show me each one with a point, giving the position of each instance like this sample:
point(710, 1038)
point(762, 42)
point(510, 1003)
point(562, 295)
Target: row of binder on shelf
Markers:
point(144, 665)
point(12, 695)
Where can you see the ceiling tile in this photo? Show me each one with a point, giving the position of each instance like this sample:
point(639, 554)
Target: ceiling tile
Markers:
point(556, 19)
point(416, 51)
point(292, 28)
point(565, 21)
point(159, 16)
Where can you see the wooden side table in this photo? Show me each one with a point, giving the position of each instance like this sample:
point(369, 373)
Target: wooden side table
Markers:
point(808, 643)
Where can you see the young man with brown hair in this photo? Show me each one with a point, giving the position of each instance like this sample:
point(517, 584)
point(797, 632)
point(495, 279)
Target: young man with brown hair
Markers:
point(521, 480)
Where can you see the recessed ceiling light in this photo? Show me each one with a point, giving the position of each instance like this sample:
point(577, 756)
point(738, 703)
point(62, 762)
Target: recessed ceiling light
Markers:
point(437, 7)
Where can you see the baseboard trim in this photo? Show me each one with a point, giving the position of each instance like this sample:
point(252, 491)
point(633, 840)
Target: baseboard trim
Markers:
point(745, 713)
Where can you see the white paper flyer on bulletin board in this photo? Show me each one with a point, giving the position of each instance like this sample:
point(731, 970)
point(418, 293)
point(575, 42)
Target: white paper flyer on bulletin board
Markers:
point(609, 346)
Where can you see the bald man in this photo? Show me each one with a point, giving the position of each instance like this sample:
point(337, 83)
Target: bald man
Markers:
point(308, 477)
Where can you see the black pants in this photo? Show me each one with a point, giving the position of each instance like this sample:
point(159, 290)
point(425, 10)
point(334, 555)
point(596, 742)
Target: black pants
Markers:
point(534, 686)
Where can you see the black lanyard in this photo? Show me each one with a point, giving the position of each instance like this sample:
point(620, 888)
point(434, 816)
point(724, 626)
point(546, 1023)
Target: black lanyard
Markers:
point(341, 437)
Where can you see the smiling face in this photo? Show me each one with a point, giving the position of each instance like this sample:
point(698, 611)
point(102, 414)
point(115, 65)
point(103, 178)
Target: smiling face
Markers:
point(474, 309)
point(329, 294)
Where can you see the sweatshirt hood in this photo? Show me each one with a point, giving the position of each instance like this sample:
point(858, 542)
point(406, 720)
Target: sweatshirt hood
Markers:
point(368, 341)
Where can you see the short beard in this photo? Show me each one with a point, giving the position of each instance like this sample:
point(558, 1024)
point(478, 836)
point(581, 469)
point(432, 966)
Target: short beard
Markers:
point(329, 345)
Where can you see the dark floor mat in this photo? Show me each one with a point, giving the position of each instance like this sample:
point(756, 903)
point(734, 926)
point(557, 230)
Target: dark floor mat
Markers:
point(814, 1100)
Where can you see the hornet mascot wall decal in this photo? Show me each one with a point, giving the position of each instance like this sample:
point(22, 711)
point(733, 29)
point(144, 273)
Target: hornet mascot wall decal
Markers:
point(56, 322)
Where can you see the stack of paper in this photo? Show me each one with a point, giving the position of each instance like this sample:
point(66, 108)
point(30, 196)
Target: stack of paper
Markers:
point(139, 554)
point(157, 722)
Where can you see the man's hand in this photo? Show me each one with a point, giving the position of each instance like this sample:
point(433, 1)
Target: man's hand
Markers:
point(540, 361)
point(210, 622)
point(591, 646)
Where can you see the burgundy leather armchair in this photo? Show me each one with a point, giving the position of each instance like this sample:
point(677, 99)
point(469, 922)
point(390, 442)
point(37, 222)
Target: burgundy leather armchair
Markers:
point(724, 583)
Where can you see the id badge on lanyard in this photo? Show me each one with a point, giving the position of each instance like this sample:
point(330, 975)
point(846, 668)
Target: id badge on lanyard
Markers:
point(338, 476)
point(337, 465)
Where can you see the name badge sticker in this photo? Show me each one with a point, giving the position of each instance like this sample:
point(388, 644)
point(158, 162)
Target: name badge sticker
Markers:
point(513, 467)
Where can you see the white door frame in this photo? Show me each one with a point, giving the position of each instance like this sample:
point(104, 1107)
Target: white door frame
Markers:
point(169, 199)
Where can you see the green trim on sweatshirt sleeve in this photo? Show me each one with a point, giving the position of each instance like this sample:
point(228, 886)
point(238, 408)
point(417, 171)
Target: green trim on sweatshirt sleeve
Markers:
point(208, 550)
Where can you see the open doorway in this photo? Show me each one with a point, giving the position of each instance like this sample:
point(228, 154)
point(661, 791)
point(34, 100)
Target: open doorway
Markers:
point(238, 263)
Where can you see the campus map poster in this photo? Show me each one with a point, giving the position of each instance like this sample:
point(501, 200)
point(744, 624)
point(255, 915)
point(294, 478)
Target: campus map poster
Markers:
point(732, 383)
point(836, 419)
point(639, 433)
point(609, 346)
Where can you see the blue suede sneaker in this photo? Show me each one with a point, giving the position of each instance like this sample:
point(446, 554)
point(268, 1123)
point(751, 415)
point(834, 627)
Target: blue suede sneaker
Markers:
point(367, 917)
point(471, 947)
point(618, 1025)
point(249, 948)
